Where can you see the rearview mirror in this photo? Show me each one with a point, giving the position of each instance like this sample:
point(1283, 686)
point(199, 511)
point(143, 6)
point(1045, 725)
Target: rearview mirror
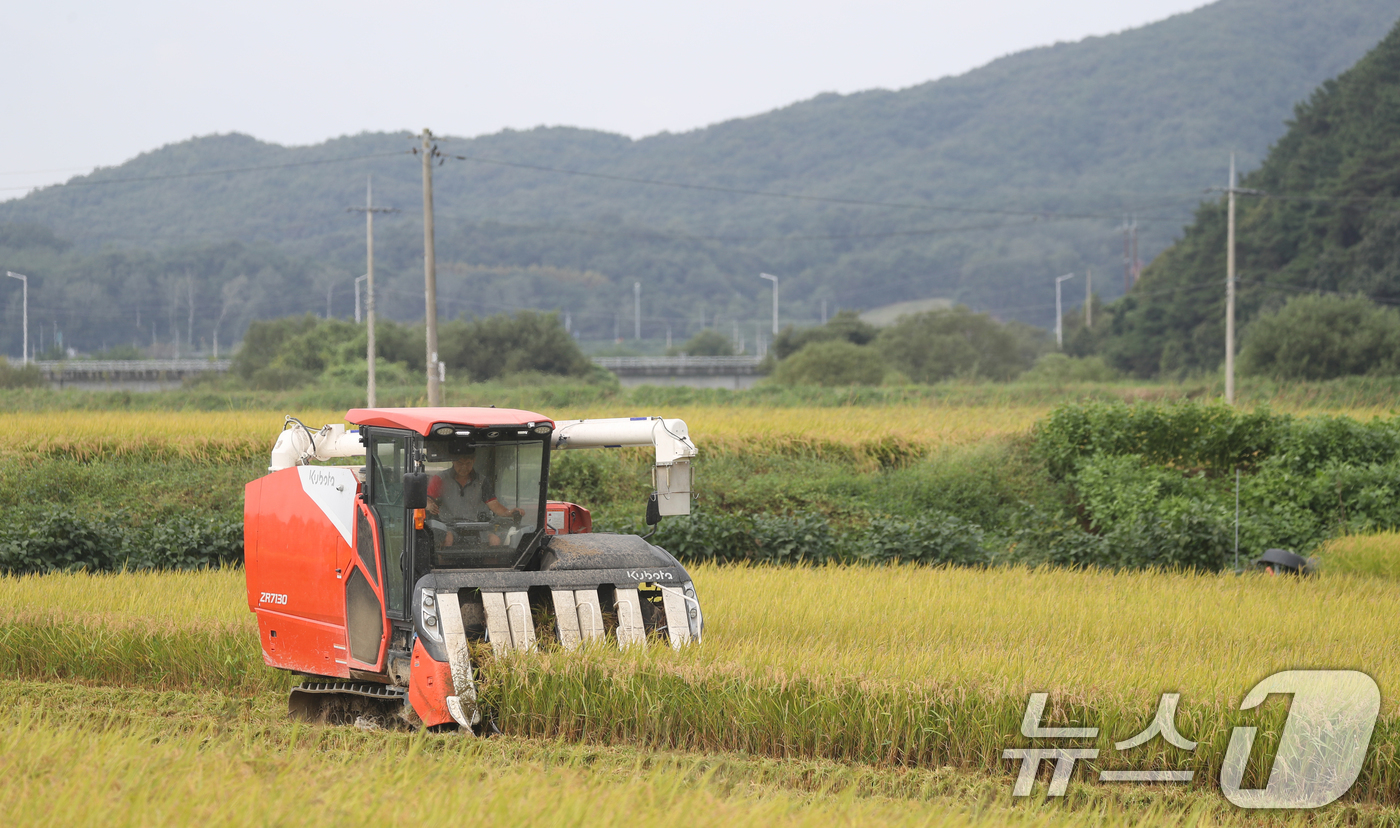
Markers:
point(415, 491)
point(653, 510)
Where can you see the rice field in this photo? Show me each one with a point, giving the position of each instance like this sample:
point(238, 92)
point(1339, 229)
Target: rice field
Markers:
point(900, 667)
point(116, 756)
point(820, 695)
point(234, 436)
point(230, 435)
point(1109, 636)
point(1376, 554)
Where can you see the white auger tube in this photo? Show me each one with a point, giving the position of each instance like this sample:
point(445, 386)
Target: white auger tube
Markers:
point(299, 445)
point(671, 439)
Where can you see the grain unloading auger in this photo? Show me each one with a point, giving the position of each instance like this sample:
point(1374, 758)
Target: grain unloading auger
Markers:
point(373, 582)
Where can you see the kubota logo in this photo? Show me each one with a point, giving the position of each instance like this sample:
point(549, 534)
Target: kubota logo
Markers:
point(321, 478)
point(651, 576)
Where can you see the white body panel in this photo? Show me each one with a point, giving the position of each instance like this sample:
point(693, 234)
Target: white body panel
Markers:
point(630, 629)
point(333, 490)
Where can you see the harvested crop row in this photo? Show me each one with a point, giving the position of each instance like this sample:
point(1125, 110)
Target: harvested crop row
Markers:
point(154, 759)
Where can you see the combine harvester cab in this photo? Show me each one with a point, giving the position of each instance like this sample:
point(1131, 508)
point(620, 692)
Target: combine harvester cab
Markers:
point(376, 592)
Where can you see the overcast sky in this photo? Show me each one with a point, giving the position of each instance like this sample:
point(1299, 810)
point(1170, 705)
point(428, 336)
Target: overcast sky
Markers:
point(91, 83)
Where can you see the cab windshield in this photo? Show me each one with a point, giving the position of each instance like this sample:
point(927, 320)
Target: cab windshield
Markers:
point(484, 501)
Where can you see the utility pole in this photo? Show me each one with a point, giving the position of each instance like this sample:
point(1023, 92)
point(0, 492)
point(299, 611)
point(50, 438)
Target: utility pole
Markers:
point(24, 346)
point(370, 351)
point(189, 329)
point(637, 310)
point(1137, 262)
point(1231, 191)
point(1059, 314)
point(1230, 291)
point(823, 311)
point(774, 280)
point(1088, 299)
point(430, 270)
point(1127, 256)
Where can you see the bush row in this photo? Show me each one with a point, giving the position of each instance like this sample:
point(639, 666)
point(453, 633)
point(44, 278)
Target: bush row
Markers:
point(1216, 438)
point(1180, 540)
point(61, 541)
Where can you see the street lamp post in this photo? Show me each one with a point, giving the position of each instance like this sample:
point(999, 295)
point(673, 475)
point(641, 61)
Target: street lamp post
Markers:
point(24, 346)
point(1059, 312)
point(774, 280)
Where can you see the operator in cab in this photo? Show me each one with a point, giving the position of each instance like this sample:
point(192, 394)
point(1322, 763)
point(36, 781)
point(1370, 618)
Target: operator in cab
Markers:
point(460, 493)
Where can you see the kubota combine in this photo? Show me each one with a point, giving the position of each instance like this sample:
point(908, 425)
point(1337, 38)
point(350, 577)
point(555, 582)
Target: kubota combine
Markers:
point(367, 583)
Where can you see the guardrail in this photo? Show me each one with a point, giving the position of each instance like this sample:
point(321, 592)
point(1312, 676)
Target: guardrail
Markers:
point(680, 365)
point(127, 368)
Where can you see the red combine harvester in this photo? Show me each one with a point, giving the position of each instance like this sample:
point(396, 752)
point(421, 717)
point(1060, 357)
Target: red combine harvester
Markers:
point(372, 582)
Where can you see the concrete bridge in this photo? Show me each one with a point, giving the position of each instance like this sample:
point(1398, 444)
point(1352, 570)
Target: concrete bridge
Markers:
point(735, 372)
point(126, 374)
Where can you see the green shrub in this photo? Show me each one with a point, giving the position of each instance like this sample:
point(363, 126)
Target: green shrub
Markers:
point(1321, 337)
point(932, 539)
point(833, 363)
point(1057, 368)
point(386, 374)
point(264, 342)
point(1186, 435)
point(709, 342)
point(1117, 490)
point(24, 376)
point(281, 354)
point(65, 541)
point(59, 541)
point(845, 326)
point(502, 345)
point(947, 344)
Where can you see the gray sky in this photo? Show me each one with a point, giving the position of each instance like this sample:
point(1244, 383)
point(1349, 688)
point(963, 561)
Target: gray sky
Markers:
point(97, 83)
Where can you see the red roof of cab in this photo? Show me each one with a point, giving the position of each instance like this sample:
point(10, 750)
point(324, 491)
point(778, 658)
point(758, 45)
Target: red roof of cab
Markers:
point(422, 420)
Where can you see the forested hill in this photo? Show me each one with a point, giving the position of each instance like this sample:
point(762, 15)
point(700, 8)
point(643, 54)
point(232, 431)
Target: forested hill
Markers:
point(1326, 219)
point(1004, 177)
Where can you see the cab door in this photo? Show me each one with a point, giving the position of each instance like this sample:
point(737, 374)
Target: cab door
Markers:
point(389, 456)
point(366, 627)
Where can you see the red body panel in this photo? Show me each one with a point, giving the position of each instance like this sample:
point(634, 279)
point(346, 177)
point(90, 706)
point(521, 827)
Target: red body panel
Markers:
point(295, 564)
point(562, 518)
point(429, 685)
point(422, 420)
point(293, 643)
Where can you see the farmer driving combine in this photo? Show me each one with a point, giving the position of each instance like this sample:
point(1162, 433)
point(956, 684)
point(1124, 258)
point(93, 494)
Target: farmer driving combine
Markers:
point(459, 494)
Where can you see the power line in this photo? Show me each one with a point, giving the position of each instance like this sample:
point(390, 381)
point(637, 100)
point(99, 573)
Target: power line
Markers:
point(197, 173)
point(776, 194)
point(642, 232)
